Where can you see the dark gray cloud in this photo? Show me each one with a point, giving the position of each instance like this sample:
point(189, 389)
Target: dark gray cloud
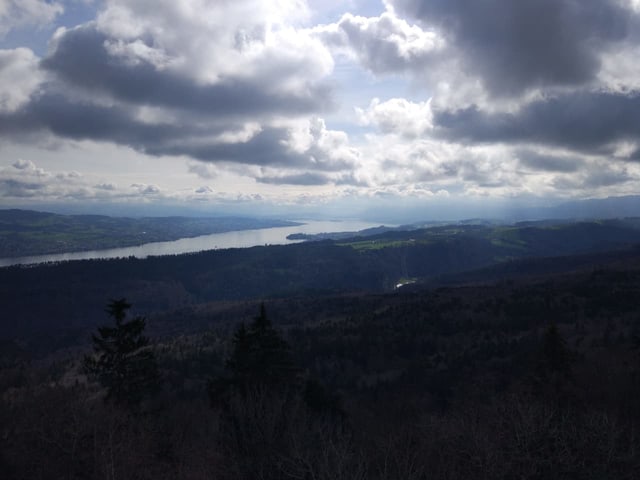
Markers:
point(304, 179)
point(10, 187)
point(266, 148)
point(93, 94)
point(81, 59)
point(89, 121)
point(350, 179)
point(105, 186)
point(549, 163)
point(518, 44)
point(145, 189)
point(312, 179)
point(79, 120)
point(585, 121)
point(606, 178)
point(203, 170)
point(594, 179)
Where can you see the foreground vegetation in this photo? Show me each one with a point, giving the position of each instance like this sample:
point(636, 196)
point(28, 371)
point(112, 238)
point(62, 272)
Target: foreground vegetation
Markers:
point(496, 360)
point(535, 378)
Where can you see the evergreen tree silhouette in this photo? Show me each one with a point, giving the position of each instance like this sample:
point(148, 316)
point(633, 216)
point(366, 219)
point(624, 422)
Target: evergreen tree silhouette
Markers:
point(553, 375)
point(122, 361)
point(555, 360)
point(260, 358)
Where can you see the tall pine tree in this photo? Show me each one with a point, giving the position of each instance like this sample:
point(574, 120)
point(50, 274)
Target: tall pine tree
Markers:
point(261, 355)
point(260, 358)
point(123, 362)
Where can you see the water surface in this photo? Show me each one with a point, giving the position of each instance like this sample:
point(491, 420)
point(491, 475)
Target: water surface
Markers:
point(238, 239)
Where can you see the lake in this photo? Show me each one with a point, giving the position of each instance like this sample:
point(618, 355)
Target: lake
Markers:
point(237, 239)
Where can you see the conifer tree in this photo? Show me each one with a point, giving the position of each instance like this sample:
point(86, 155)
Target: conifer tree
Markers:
point(553, 371)
point(260, 358)
point(122, 361)
point(556, 356)
point(260, 355)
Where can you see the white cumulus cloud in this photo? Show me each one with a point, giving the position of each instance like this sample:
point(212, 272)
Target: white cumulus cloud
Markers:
point(20, 77)
point(21, 13)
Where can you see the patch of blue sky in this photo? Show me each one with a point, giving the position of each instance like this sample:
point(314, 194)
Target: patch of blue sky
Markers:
point(36, 37)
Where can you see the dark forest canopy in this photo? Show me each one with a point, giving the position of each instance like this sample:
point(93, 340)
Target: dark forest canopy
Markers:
point(527, 378)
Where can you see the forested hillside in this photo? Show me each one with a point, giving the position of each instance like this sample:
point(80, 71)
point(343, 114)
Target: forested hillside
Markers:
point(67, 296)
point(527, 378)
point(308, 361)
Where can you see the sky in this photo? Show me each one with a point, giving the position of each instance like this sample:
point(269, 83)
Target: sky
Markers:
point(294, 107)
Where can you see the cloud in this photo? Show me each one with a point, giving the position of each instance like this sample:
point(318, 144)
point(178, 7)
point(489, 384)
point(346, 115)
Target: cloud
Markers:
point(496, 169)
point(24, 179)
point(312, 146)
point(304, 145)
point(20, 13)
point(581, 120)
point(516, 46)
point(549, 162)
point(19, 78)
point(218, 82)
point(306, 179)
point(491, 97)
point(145, 189)
point(81, 58)
point(204, 190)
point(28, 168)
point(210, 39)
point(606, 178)
point(106, 186)
point(429, 164)
point(382, 44)
point(79, 120)
point(217, 43)
point(23, 164)
point(10, 187)
point(597, 178)
point(203, 170)
point(398, 115)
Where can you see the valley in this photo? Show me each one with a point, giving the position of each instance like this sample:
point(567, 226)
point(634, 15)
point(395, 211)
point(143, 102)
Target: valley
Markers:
point(404, 347)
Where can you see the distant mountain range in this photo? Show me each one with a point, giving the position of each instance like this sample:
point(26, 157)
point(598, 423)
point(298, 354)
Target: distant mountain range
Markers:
point(611, 207)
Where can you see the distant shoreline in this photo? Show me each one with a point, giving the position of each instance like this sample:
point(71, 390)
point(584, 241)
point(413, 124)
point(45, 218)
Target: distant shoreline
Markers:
point(26, 233)
point(216, 241)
